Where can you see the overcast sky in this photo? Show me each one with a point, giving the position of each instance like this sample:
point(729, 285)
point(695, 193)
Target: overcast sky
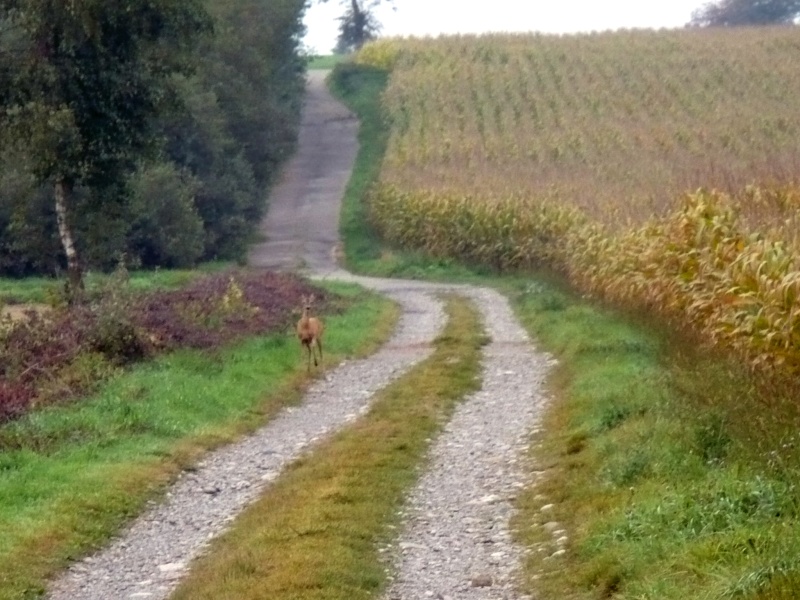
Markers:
point(433, 17)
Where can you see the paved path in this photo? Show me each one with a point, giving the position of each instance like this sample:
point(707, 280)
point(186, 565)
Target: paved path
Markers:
point(302, 224)
point(455, 541)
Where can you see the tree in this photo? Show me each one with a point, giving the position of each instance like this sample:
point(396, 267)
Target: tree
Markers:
point(358, 25)
point(80, 83)
point(736, 13)
point(242, 115)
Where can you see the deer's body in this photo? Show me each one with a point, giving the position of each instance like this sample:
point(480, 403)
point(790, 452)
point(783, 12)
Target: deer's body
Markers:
point(309, 332)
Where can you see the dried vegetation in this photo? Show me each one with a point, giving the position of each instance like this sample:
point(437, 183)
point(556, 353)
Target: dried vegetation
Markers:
point(53, 356)
point(655, 169)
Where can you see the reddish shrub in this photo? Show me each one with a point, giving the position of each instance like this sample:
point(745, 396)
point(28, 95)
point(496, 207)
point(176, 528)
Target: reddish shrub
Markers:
point(122, 328)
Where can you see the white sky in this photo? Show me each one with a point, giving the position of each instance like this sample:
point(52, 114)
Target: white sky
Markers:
point(434, 17)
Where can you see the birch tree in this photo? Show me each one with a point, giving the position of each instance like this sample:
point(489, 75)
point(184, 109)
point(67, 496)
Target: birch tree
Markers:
point(80, 83)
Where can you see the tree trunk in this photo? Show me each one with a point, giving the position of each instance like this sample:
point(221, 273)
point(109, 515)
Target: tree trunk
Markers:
point(74, 271)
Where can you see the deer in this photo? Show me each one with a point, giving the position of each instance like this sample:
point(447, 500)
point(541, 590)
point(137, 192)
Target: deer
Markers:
point(309, 331)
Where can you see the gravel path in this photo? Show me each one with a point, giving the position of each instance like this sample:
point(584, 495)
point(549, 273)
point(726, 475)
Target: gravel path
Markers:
point(149, 558)
point(455, 541)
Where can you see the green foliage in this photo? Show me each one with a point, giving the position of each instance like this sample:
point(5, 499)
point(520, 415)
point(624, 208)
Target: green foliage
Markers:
point(89, 79)
point(258, 74)
point(737, 13)
point(187, 176)
point(115, 334)
point(166, 229)
point(95, 76)
point(28, 238)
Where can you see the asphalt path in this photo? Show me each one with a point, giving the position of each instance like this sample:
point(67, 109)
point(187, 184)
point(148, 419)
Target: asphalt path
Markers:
point(301, 228)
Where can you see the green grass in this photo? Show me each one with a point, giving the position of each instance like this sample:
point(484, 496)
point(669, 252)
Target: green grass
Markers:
point(42, 290)
point(70, 476)
point(674, 472)
point(315, 533)
point(26, 291)
point(326, 62)
point(672, 481)
point(360, 88)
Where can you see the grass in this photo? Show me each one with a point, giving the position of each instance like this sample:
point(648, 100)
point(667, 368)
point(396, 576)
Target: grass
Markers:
point(70, 476)
point(674, 473)
point(44, 290)
point(360, 88)
point(661, 463)
point(325, 62)
point(316, 533)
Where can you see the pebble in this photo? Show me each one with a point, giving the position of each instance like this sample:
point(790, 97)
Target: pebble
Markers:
point(481, 581)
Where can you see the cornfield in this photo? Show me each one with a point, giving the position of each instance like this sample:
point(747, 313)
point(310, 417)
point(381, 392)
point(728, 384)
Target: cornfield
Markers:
point(654, 169)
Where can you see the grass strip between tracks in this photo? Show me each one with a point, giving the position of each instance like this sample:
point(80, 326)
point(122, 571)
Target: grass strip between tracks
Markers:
point(316, 533)
point(70, 476)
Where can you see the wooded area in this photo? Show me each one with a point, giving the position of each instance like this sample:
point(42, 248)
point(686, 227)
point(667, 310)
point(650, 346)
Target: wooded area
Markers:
point(162, 127)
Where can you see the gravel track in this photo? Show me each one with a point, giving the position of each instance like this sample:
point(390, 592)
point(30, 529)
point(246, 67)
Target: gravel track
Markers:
point(149, 558)
point(455, 540)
